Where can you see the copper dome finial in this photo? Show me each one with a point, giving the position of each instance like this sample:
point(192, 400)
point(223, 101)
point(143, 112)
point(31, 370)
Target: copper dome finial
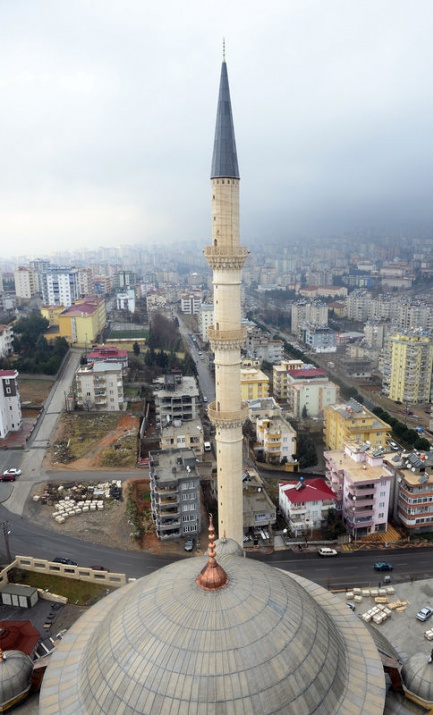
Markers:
point(212, 577)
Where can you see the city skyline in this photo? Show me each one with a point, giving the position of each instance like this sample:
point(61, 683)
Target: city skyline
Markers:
point(106, 131)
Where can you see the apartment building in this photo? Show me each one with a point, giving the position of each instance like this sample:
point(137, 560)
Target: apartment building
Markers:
point(305, 505)
point(407, 367)
point(353, 422)
point(175, 493)
point(362, 483)
point(205, 320)
point(263, 348)
point(276, 439)
point(309, 391)
point(109, 353)
point(6, 340)
point(176, 397)
point(320, 339)
point(414, 476)
point(126, 300)
point(99, 387)
point(259, 511)
point(314, 312)
point(60, 286)
point(190, 302)
point(10, 403)
point(178, 434)
point(82, 323)
point(279, 376)
point(24, 279)
point(254, 384)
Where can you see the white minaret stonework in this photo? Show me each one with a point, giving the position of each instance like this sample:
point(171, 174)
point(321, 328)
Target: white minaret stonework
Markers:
point(226, 259)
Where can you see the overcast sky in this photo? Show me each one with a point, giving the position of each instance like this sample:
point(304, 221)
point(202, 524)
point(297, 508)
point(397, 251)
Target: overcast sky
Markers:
point(108, 114)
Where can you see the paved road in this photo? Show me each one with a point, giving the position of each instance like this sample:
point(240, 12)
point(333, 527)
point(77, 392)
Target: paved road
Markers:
point(30, 461)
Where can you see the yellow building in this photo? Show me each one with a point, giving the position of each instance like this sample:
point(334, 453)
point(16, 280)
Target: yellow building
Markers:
point(254, 384)
point(407, 369)
point(80, 324)
point(352, 422)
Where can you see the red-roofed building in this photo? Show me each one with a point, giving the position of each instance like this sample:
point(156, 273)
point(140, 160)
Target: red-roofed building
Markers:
point(305, 504)
point(109, 353)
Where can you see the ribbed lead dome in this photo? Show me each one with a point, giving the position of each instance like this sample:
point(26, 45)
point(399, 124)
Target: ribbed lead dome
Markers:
point(267, 642)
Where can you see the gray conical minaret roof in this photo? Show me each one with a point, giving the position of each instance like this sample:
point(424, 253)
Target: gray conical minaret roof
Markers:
point(224, 160)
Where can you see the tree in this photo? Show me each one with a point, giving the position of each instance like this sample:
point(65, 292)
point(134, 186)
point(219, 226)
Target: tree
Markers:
point(304, 412)
point(306, 451)
point(136, 349)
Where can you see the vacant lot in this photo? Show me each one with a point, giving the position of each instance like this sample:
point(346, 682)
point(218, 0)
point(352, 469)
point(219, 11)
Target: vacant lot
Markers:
point(34, 391)
point(80, 593)
point(86, 440)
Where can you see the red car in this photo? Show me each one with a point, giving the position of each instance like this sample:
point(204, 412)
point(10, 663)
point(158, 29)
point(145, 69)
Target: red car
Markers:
point(10, 475)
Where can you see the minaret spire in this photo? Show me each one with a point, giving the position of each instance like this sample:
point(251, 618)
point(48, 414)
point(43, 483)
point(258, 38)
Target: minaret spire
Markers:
point(226, 258)
point(224, 160)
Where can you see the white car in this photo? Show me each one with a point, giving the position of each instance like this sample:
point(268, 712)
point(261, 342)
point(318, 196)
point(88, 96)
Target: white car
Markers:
point(325, 551)
point(424, 613)
point(12, 472)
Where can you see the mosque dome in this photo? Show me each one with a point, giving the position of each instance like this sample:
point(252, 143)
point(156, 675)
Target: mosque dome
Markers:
point(15, 676)
point(224, 546)
point(260, 641)
point(417, 674)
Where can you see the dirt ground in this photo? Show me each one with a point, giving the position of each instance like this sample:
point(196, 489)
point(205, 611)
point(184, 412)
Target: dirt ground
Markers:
point(34, 391)
point(92, 460)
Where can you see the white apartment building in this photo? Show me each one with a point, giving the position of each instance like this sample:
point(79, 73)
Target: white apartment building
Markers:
point(24, 279)
point(60, 286)
point(190, 302)
point(305, 505)
point(6, 338)
point(310, 391)
point(85, 281)
point(277, 439)
point(320, 339)
point(126, 300)
point(10, 403)
point(362, 483)
point(99, 387)
point(205, 319)
point(314, 312)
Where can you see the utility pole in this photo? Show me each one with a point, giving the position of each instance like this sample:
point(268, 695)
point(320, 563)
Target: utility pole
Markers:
point(6, 531)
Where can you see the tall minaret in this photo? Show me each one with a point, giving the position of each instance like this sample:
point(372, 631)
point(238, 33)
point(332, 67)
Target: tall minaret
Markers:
point(226, 258)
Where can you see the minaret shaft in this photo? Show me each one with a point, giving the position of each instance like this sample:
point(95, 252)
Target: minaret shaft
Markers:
point(226, 258)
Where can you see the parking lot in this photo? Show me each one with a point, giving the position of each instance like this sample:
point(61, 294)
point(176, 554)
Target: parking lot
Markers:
point(402, 628)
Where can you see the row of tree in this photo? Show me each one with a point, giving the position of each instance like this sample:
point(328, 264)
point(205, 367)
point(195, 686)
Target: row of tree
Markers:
point(410, 438)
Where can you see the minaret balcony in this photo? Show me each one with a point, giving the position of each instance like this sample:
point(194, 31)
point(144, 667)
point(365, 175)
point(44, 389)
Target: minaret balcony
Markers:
point(226, 257)
point(225, 419)
point(226, 339)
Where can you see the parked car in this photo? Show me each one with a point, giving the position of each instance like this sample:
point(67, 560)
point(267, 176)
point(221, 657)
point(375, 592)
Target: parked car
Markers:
point(189, 545)
point(424, 613)
point(351, 606)
point(325, 551)
point(64, 561)
point(382, 566)
point(393, 445)
point(9, 475)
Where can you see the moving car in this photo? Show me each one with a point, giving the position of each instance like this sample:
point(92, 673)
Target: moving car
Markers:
point(189, 545)
point(382, 566)
point(10, 475)
point(99, 568)
point(64, 561)
point(325, 551)
point(424, 613)
point(351, 606)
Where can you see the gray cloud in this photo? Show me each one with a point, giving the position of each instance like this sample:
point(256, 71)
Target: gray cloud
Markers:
point(109, 110)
